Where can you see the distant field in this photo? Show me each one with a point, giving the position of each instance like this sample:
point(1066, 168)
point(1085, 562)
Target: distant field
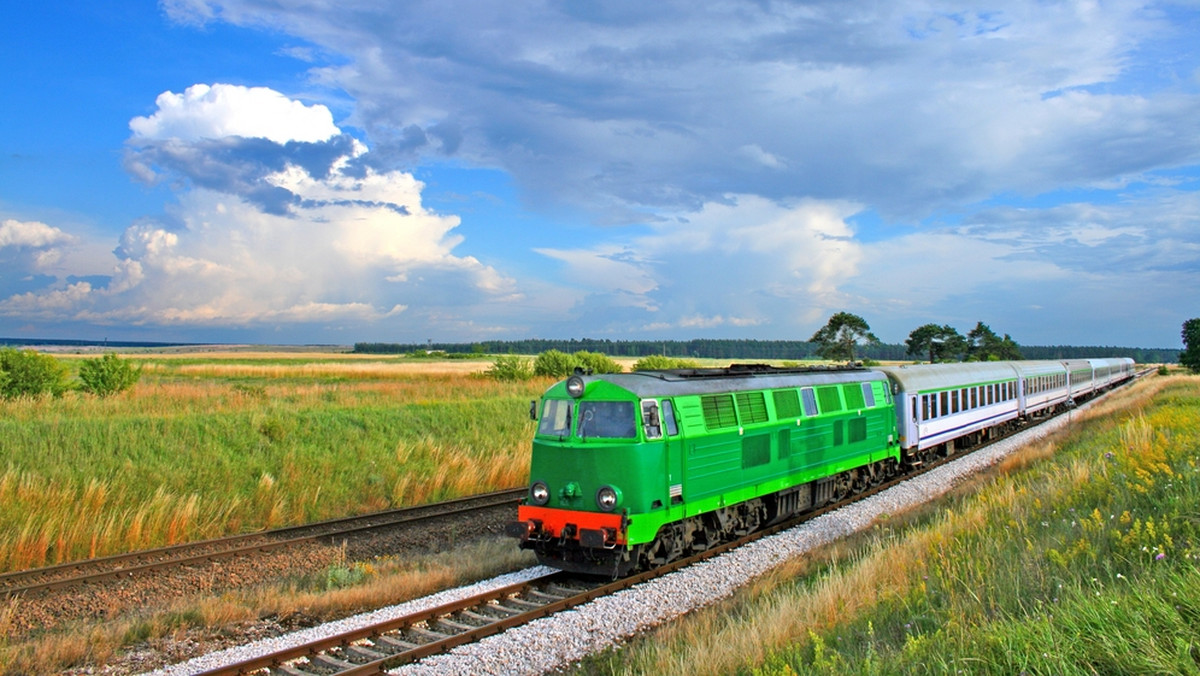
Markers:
point(212, 443)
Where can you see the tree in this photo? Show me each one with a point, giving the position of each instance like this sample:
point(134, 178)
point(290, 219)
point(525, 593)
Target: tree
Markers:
point(837, 339)
point(108, 375)
point(1190, 357)
point(941, 343)
point(985, 345)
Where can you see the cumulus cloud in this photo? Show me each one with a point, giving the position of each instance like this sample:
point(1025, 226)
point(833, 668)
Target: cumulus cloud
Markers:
point(31, 234)
point(276, 223)
point(221, 111)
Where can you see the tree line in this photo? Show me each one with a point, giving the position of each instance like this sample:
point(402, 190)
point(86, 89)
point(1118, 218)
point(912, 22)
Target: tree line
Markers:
point(742, 349)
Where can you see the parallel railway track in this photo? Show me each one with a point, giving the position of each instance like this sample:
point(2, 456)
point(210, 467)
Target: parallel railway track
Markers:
point(77, 573)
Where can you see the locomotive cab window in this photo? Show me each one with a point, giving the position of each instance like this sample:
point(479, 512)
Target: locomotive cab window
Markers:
point(668, 418)
point(556, 418)
point(651, 419)
point(658, 416)
point(607, 419)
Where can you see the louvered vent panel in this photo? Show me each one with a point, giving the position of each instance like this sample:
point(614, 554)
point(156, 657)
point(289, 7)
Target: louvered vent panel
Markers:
point(787, 404)
point(753, 407)
point(829, 400)
point(718, 411)
point(854, 397)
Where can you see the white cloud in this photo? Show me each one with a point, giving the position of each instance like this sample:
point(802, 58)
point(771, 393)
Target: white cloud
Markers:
point(350, 244)
point(224, 110)
point(32, 234)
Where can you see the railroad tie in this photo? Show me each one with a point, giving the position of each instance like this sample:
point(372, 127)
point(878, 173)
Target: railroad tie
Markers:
point(364, 653)
point(331, 662)
point(458, 627)
point(398, 644)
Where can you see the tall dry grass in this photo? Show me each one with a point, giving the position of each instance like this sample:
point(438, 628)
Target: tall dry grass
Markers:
point(196, 455)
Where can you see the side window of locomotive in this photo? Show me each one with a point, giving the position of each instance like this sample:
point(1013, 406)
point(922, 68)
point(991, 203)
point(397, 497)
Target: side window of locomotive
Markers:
point(868, 395)
point(608, 419)
point(651, 420)
point(668, 418)
point(809, 399)
point(556, 418)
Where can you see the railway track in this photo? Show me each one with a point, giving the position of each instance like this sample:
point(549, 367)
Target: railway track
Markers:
point(375, 648)
point(379, 647)
point(89, 571)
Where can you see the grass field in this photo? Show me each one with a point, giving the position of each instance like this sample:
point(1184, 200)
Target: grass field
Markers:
point(223, 442)
point(1077, 556)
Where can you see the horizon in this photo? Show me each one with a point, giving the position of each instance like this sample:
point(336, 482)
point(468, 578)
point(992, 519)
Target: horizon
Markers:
point(9, 341)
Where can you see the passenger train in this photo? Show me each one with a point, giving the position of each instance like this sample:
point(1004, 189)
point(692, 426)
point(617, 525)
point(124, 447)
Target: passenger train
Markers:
point(632, 470)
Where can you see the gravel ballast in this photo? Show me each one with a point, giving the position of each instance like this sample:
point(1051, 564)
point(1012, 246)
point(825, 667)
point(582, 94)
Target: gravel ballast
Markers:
point(557, 641)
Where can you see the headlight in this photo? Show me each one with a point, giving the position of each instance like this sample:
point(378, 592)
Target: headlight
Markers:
point(575, 386)
point(606, 498)
point(539, 493)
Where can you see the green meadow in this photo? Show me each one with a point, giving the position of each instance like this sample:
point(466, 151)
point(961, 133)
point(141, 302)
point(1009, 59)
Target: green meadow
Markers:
point(211, 444)
point(1076, 556)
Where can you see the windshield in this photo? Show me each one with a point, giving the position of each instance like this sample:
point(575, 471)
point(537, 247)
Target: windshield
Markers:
point(556, 418)
point(610, 419)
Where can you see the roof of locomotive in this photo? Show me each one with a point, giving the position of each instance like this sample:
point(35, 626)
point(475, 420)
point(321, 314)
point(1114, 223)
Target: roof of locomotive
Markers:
point(734, 378)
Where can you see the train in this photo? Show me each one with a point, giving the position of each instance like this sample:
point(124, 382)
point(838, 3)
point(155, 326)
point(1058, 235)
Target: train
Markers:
point(630, 471)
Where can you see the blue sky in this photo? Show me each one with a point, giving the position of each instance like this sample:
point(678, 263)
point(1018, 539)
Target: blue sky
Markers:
point(297, 172)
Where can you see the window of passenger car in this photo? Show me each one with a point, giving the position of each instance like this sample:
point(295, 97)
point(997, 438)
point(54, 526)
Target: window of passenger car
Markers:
point(607, 419)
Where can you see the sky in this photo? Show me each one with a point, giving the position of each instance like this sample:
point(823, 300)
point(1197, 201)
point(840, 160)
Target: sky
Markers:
point(305, 172)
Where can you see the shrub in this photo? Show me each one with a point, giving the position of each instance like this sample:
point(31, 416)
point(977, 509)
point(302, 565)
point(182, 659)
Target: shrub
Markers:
point(657, 362)
point(557, 364)
point(510, 367)
point(108, 375)
point(554, 364)
point(597, 362)
point(30, 374)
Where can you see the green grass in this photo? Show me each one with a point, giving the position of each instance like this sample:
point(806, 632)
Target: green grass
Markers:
point(1079, 557)
point(230, 447)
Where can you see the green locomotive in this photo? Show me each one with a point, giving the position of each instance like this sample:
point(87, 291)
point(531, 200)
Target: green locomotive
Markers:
point(632, 470)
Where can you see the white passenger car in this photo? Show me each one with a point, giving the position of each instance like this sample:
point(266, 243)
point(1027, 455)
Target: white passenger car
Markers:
point(1043, 386)
point(939, 403)
point(1112, 371)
